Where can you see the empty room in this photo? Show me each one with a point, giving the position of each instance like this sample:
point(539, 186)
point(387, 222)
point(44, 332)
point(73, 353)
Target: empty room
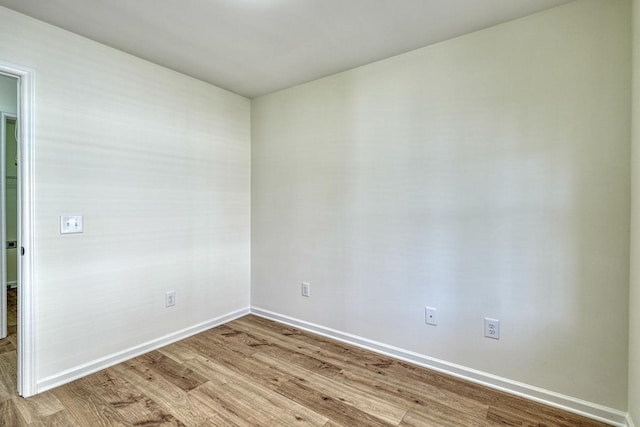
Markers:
point(320, 213)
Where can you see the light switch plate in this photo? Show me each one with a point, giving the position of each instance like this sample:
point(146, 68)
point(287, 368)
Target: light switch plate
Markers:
point(71, 224)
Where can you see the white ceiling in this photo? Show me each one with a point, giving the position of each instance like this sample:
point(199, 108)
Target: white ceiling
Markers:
point(253, 47)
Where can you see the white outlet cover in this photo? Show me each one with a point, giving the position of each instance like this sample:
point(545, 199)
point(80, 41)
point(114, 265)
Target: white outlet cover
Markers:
point(431, 316)
point(306, 289)
point(71, 224)
point(170, 299)
point(492, 328)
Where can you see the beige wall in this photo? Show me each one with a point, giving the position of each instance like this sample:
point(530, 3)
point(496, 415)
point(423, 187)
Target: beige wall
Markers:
point(634, 322)
point(159, 165)
point(486, 176)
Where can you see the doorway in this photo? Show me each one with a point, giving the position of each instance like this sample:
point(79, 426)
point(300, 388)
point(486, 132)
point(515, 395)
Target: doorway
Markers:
point(8, 137)
point(8, 219)
point(23, 183)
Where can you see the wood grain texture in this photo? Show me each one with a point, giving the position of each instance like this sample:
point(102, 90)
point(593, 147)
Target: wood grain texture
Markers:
point(254, 372)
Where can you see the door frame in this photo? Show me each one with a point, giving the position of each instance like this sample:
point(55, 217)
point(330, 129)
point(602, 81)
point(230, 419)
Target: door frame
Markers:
point(4, 118)
point(26, 370)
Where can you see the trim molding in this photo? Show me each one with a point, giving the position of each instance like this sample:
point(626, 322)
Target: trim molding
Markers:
point(557, 400)
point(630, 421)
point(121, 356)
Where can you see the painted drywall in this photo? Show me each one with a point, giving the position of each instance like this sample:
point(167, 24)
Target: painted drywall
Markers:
point(159, 165)
point(487, 175)
point(8, 94)
point(634, 299)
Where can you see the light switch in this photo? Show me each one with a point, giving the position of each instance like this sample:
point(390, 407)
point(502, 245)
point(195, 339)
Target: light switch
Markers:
point(71, 224)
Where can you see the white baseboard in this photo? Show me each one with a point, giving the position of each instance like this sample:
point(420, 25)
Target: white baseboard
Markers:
point(630, 421)
point(113, 359)
point(557, 400)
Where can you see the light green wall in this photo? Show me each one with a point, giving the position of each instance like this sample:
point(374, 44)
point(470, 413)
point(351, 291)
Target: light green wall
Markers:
point(487, 175)
point(11, 168)
point(9, 104)
point(634, 299)
point(11, 200)
point(8, 94)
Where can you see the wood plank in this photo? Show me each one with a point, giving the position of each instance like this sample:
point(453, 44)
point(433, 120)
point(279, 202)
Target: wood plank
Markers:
point(39, 406)
point(221, 413)
point(59, 419)
point(377, 374)
point(365, 402)
point(8, 375)
point(329, 406)
point(208, 344)
point(310, 363)
point(438, 415)
point(239, 342)
point(216, 353)
point(443, 387)
point(6, 346)
point(417, 396)
point(306, 342)
point(172, 371)
point(10, 416)
point(178, 351)
point(171, 398)
point(543, 414)
point(324, 349)
point(284, 350)
point(504, 417)
point(394, 376)
point(133, 405)
point(234, 391)
point(234, 400)
point(86, 408)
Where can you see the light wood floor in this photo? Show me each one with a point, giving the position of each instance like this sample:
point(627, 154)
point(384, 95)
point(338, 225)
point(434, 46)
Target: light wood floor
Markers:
point(253, 372)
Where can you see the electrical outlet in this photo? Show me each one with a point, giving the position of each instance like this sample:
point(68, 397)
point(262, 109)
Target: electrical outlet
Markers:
point(306, 289)
point(492, 328)
point(431, 316)
point(170, 299)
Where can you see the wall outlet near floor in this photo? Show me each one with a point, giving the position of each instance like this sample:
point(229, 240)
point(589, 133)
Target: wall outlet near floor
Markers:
point(306, 289)
point(431, 316)
point(492, 328)
point(170, 299)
